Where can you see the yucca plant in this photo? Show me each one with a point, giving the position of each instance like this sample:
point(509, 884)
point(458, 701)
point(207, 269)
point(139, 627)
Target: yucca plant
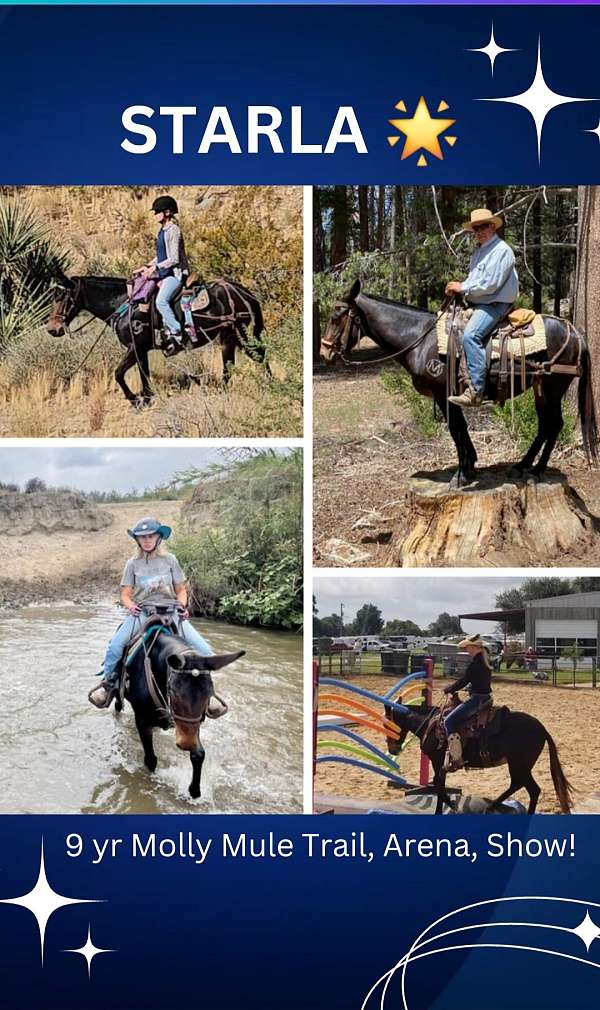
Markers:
point(30, 262)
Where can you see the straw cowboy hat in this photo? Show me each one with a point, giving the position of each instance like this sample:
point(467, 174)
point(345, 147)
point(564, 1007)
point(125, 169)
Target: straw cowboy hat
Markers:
point(472, 640)
point(482, 216)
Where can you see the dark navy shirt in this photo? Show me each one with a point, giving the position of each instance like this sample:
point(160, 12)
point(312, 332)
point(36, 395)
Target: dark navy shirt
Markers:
point(477, 675)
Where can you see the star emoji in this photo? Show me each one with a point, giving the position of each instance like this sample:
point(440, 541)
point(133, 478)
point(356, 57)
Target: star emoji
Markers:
point(539, 100)
point(587, 931)
point(89, 951)
point(492, 50)
point(42, 901)
point(422, 131)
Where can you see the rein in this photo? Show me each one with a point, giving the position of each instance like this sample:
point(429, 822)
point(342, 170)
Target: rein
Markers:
point(350, 321)
point(164, 705)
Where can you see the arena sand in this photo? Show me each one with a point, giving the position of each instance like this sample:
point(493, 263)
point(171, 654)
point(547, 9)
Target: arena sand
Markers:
point(572, 717)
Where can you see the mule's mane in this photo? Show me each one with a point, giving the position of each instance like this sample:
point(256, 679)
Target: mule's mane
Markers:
point(107, 281)
point(398, 305)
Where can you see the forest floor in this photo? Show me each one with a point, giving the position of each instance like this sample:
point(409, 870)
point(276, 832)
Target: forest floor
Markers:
point(366, 446)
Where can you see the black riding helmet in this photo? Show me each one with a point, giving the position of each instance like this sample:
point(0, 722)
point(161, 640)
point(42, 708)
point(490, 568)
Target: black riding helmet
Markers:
point(165, 203)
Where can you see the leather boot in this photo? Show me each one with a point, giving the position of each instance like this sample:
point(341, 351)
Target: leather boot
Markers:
point(470, 398)
point(454, 754)
point(103, 695)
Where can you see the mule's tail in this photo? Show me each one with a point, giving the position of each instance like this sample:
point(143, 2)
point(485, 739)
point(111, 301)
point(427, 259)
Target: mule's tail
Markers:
point(253, 306)
point(562, 786)
point(587, 409)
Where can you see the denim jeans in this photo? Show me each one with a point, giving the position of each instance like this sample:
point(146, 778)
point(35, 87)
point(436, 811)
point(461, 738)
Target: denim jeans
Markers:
point(126, 631)
point(476, 337)
point(166, 292)
point(473, 704)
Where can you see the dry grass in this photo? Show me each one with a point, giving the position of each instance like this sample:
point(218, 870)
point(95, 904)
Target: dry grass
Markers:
point(253, 234)
point(91, 404)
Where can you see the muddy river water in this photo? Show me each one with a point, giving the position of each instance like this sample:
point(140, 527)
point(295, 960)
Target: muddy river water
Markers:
point(58, 754)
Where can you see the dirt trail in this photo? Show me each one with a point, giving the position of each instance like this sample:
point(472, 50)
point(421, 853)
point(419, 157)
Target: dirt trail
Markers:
point(75, 564)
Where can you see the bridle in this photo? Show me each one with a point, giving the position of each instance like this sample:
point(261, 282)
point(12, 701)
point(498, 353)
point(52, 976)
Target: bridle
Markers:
point(339, 344)
point(164, 701)
point(67, 303)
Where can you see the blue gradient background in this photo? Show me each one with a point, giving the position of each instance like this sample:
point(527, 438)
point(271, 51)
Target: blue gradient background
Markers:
point(67, 73)
point(287, 934)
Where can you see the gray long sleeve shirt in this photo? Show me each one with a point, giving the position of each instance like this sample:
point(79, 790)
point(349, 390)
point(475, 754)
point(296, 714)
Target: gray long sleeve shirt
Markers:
point(176, 255)
point(492, 275)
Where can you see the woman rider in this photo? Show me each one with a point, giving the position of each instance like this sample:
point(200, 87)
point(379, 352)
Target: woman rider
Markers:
point(170, 265)
point(150, 576)
point(478, 678)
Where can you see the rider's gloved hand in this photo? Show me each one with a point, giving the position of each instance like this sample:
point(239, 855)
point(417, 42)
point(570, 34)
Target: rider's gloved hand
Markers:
point(183, 613)
point(134, 610)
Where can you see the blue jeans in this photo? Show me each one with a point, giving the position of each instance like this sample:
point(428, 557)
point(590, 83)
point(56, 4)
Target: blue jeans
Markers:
point(126, 631)
point(166, 292)
point(473, 704)
point(476, 337)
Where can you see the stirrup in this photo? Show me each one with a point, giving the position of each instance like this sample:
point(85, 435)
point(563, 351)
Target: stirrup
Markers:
point(112, 693)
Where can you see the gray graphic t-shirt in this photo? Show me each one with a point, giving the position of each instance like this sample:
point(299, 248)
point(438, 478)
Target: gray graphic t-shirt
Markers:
point(157, 576)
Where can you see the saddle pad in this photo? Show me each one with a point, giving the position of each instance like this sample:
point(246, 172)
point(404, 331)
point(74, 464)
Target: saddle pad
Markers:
point(533, 344)
point(137, 643)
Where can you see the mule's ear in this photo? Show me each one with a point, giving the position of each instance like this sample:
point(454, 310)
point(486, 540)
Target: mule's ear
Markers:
point(216, 662)
point(353, 292)
point(64, 281)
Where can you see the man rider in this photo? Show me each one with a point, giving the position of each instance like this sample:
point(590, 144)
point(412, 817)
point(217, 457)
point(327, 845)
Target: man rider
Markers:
point(491, 287)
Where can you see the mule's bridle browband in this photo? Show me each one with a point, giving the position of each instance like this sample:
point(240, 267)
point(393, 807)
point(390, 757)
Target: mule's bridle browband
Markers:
point(164, 705)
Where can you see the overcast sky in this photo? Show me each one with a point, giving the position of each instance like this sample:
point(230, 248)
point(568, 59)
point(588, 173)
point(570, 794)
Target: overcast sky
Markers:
point(413, 598)
point(102, 469)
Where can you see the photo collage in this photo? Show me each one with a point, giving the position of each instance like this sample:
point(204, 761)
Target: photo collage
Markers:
point(301, 499)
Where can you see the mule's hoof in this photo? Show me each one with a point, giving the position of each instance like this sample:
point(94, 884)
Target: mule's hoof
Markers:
point(151, 765)
point(141, 402)
point(194, 793)
point(461, 479)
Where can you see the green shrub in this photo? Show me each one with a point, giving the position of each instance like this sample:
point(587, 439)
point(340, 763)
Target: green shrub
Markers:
point(421, 407)
point(525, 424)
point(245, 562)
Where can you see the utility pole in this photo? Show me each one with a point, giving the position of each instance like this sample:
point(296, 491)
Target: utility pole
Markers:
point(341, 619)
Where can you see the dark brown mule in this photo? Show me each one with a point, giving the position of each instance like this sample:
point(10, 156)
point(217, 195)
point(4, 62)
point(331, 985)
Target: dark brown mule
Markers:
point(233, 311)
point(518, 742)
point(407, 335)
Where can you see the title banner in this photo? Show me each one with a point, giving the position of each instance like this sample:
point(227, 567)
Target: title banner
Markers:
point(299, 912)
point(298, 95)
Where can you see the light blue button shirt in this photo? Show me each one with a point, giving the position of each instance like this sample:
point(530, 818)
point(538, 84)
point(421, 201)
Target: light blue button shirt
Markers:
point(492, 275)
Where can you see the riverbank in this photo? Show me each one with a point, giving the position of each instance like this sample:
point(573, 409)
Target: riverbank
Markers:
point(75, 565)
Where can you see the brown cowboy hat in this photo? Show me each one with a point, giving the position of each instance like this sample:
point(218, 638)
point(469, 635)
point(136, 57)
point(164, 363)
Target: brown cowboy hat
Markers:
point(482, 216)
point(472, 640)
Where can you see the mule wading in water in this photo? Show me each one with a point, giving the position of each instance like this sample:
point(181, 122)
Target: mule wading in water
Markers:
point(168, 683)
point(232, 310)
point(408, 335)
point(513, 738)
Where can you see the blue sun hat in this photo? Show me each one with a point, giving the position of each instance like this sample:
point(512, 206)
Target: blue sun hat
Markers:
point(149, 525)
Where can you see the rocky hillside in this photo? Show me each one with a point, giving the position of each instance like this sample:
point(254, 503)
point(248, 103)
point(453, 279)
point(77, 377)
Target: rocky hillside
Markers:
point(49, 512)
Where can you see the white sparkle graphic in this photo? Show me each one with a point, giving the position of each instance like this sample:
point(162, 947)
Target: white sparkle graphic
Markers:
point(89, 951)
point(539, 100)
point(492, 50)
point(587, 931)
point(43, 900)
point(596, 130)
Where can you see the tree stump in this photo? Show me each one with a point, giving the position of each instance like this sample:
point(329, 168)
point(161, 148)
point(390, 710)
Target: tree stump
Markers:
point(498, 520)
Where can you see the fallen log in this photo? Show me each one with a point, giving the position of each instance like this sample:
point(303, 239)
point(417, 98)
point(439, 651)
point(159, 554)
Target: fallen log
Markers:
point(498, 520)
